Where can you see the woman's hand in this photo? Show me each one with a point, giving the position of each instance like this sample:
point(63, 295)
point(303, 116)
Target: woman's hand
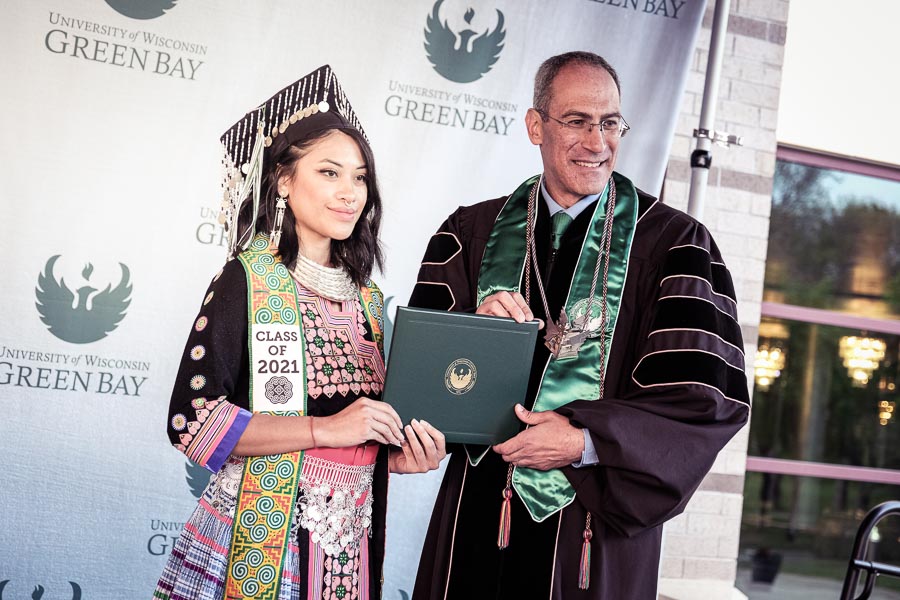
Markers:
point(364, 420)
point(423, 450)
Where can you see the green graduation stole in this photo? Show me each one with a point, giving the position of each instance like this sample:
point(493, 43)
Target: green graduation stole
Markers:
point(265, 503)
point(567, 379)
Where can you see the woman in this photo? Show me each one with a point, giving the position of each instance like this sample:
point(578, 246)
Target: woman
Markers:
point(278, 389)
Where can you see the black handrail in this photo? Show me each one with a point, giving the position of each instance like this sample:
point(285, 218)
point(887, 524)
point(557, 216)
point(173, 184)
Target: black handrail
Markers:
point(858, 563)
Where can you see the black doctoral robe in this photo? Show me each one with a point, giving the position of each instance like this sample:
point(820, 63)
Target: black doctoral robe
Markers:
point(675, 393)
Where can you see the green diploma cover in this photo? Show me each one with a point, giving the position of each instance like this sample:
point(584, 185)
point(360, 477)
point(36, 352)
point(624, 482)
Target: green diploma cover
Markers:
point(461, 372)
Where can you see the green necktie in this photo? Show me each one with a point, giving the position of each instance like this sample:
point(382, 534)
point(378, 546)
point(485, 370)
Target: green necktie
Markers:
point(561, 220)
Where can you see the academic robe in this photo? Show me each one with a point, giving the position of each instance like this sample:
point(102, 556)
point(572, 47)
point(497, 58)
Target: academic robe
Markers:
point(675, 393)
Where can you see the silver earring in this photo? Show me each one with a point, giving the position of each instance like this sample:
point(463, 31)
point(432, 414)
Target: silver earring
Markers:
point(275, 236)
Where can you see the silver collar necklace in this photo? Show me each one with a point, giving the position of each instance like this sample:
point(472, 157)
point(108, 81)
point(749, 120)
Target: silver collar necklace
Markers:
point(330, 283)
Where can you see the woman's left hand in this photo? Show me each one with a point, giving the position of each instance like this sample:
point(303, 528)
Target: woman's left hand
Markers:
point(422, 451)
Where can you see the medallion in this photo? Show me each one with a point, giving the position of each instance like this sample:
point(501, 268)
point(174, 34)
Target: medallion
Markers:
point(564, 339)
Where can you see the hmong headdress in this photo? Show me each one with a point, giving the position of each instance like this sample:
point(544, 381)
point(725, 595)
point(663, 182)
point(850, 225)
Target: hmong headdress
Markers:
point(312, 103)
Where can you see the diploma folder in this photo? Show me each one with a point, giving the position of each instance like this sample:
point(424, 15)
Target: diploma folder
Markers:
point(461, 372)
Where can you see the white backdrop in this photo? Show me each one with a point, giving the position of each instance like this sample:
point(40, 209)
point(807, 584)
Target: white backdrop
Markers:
point(110, 114)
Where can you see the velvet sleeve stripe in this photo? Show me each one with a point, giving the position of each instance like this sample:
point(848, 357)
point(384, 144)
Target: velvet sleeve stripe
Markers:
point(688, 312)
point(695, 339)
point(692, 367)
point(442, 269)
point(442, 248)
point(435, 295)
point(691, 285)
point(217, 437)
point(697, 261)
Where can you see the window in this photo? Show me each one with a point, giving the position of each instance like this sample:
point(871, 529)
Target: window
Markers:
point(825, 430)
point(834, 241)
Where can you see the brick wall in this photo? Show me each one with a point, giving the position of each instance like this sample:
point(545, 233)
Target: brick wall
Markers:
point(700, 546)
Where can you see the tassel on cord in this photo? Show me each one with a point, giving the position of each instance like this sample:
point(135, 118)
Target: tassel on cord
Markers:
point(584, 571)
point(505, 512)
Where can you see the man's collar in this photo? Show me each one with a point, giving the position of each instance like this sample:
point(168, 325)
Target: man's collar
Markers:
point(574, 210)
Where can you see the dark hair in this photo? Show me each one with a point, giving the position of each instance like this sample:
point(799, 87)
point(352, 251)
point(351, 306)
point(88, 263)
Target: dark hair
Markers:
point(551, 67)
point(360, 252)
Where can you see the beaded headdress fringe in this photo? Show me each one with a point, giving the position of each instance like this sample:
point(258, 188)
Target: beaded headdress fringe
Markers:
point(245, 144)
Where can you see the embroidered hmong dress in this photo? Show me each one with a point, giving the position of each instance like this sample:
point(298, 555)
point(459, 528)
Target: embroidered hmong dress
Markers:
point(209, 412)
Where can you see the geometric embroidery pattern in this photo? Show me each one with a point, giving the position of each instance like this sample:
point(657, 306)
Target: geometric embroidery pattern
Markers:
point(279, 389)
point(268, 490)
point(339, 360)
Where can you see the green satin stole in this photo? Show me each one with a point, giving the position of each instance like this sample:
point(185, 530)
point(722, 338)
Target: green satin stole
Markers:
point(576, 378)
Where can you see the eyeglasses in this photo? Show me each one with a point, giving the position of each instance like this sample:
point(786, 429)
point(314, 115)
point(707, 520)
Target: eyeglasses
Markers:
point(612, 127)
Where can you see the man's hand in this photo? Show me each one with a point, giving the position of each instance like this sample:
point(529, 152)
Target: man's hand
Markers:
point(506, 304)
point(551, 441)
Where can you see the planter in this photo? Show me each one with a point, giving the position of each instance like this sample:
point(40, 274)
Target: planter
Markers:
point(765, 566)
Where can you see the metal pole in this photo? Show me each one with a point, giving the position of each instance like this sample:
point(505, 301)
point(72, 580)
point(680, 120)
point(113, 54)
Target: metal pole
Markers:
point(701, 157)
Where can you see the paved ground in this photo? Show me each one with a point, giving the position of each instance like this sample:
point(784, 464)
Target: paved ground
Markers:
point(801, 587)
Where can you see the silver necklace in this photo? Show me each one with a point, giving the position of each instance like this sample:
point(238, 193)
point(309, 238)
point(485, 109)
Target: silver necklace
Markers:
point(564, 337)
point(330, 283)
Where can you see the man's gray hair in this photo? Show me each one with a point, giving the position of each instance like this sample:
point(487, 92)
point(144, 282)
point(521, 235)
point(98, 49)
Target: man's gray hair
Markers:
point(551, 67)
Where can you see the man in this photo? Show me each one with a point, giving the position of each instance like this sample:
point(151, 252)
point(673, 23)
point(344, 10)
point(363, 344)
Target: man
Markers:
point(639, 386)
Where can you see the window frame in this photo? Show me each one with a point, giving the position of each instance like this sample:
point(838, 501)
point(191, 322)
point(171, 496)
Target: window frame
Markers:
point(783, 466)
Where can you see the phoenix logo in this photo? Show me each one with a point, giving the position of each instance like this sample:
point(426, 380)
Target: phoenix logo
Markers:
point(460, 376)
point(38, 592)
point(197, 478)
point(142, 9)
point(592, 324)
point(86, 318)
point(464, 56)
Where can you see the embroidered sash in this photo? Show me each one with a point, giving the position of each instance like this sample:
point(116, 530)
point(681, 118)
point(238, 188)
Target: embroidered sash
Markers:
point(577, 378)
point(269, 484)
point(265, 502)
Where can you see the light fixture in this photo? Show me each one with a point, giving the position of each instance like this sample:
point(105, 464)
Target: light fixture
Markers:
point(885, 411)
point(861, 356)
point(768, 365)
